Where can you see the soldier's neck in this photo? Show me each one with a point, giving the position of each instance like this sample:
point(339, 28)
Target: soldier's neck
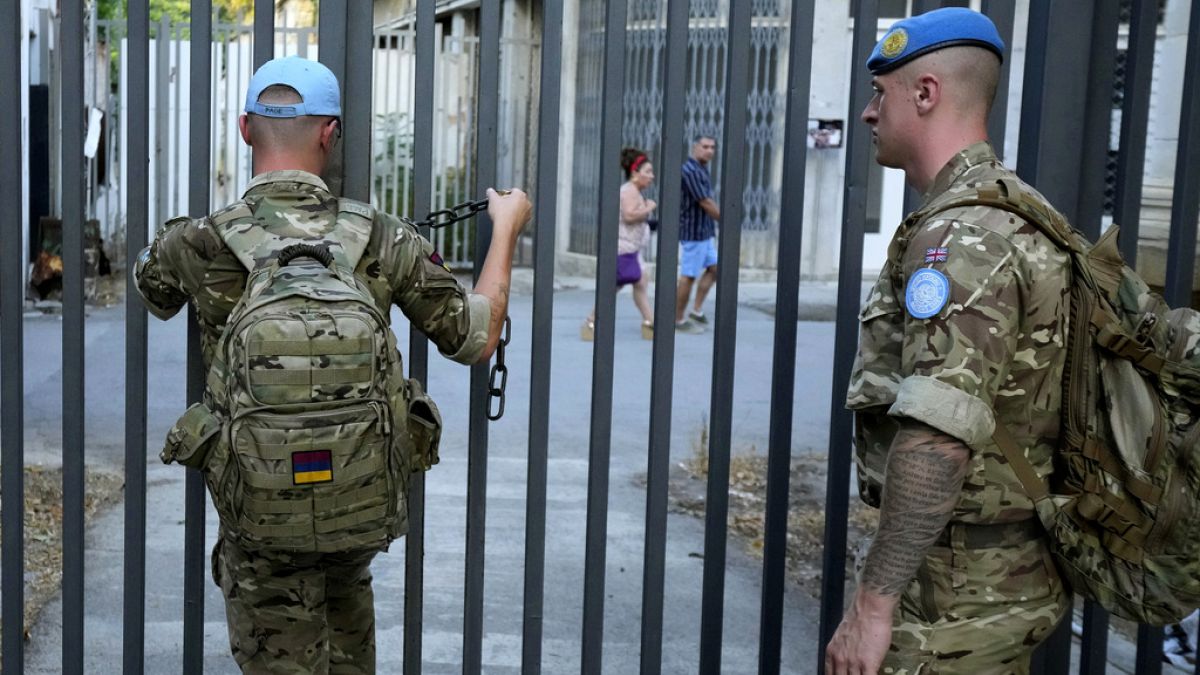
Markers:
point(267, 162)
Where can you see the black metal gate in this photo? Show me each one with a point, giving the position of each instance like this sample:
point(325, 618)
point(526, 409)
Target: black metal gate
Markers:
point(1065, 127)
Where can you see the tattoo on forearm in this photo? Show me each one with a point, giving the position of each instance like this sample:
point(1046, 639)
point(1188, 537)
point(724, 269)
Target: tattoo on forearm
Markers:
point(500, 305)
point(925, 471)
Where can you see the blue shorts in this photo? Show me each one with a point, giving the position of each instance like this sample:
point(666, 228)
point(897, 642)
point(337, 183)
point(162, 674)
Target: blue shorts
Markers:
point(697, 256)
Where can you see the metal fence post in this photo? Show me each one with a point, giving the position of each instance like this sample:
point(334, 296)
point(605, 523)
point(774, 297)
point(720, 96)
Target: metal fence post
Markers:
point(73, 188)
point(733, 182)
point(783, 370)
point(418, 352)
point(331, 42)
point(546, 196)
point(264, 31)
point(12, 350)
point(356, 101)
point(663, 360)
point(1185, 204)
point(136, 325)
point(488, 106)
point(1001, 12)
point(199, 182)
point(600, 433)
point(854, 195)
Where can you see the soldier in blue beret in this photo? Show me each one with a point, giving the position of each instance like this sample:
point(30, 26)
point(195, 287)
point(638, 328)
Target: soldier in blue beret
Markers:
point(962, 334)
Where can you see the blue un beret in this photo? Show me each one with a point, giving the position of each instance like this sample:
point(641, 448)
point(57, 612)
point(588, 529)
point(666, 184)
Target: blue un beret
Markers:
point(931, 31)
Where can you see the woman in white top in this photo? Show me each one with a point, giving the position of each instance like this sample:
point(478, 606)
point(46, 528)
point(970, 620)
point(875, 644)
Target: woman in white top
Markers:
point(633, 232)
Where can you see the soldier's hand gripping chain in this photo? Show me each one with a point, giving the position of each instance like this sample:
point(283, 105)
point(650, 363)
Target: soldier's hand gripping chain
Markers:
point(509, 210)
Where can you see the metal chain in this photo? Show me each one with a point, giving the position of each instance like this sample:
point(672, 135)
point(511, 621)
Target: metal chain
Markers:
point(442, 218)
point(497, 392)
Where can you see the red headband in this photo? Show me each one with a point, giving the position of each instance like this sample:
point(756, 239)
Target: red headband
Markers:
point(636, 163)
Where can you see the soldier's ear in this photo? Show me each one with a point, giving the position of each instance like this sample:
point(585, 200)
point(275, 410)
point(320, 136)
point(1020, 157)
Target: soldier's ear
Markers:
point(244, 127)
point(927, 92)
point(331, 131)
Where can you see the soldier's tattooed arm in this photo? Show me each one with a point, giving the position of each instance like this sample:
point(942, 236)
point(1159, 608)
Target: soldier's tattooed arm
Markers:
point(925, 472)
point(509, 213)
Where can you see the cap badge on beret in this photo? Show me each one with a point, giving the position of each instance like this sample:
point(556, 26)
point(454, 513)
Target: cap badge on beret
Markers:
point(894, 43)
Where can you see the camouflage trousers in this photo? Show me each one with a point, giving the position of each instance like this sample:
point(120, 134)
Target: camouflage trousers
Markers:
point(976, 610)
point(293, 614)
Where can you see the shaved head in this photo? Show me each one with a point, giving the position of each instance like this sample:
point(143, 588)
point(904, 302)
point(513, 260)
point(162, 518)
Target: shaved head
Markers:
point(274, 133)
point(969, 76)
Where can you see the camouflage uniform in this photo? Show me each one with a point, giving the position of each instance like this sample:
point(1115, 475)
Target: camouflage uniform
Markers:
point(988, 591)
point(304, 612)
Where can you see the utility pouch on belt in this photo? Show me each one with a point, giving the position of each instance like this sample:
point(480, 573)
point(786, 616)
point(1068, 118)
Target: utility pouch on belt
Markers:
point(424, 427)
point(192, 437)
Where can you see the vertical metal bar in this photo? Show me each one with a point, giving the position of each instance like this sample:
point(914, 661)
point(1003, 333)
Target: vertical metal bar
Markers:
point(663, 359)
point(1050, 155)
point(71, 79)
point(1002, 13)
point(418, 359)
point(264, 31)
point(356, 101)
point(787, 299)
point(733, 174)
point(1135, 111)
point(913, 197)
point(331, 39)
point(541, 342)
point(220, 62)
point(1097, 118)
point(93, 188)
point(1032, 88)
point(1135, 119)
point(1149, 658)
point(12, 350)
point(162, 119)
point(600, 435)
point(199, 179)
point(176, 117)
point(1185, 203)
point(1054, 655)
point(137, 213)
point(1093, 652)
point(488, 101)
point(837, 489)
point(1051, 139)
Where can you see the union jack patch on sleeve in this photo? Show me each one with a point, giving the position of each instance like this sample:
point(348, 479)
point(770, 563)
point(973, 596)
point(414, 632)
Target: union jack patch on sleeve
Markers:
point(938, 254)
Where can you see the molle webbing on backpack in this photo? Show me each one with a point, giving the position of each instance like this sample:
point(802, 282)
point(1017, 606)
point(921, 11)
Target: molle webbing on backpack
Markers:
point(1121, 508)
point(315, 456)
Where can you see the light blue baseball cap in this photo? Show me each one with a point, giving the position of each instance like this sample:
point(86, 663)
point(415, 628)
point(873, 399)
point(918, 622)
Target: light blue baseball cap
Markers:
point(316, 84)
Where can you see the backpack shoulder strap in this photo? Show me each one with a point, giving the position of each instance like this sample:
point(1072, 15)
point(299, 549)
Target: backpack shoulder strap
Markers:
point(355, 220)
point(1007, 194)
point(252, 243)
point(232, 225)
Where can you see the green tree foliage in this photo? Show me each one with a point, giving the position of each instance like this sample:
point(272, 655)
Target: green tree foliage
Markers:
point(178, 10)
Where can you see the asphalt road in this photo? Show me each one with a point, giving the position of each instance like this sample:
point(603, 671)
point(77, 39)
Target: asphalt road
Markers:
point(508, 447)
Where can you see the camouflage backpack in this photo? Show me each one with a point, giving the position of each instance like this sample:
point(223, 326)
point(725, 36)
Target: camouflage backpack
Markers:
point(1121, 507)
point(311, 388)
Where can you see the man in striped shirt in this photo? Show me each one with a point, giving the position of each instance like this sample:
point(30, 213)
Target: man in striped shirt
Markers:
point(698, 218)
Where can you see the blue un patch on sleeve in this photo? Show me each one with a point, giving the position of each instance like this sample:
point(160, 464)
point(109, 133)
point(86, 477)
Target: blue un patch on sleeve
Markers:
point(927, 293)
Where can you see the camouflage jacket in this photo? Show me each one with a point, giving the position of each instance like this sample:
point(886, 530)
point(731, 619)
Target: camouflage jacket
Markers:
point(188, 261)
point(994, 352)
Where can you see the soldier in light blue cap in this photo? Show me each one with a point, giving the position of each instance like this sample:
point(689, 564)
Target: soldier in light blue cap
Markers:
point(962, 333)
point(307, 496)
